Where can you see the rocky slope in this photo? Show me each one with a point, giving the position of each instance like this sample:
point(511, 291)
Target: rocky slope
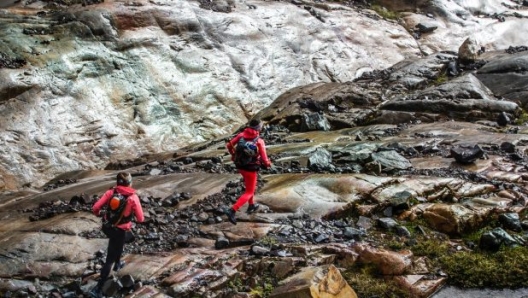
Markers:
point(399, 154)
point(401, 181)
point(84, 84)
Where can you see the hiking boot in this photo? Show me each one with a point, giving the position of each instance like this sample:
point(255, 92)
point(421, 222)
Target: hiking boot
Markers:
point(231, 215)
point(252, 208)
point(119, 265)
point(95, 293)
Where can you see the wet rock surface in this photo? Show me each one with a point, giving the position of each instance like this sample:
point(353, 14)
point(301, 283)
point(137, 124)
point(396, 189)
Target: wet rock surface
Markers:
point(350, 214)
point(368, 164)
point(248, 54)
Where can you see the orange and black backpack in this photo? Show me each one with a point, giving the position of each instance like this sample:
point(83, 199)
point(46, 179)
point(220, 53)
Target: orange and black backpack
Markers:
point(114, 211)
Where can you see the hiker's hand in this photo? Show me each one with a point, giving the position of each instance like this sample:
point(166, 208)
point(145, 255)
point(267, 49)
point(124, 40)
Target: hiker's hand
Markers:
point(232, 157)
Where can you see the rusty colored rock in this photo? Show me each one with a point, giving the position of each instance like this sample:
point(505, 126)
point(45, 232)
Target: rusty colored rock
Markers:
point(315, 282)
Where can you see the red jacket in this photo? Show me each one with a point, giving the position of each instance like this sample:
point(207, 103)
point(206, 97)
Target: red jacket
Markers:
point(133, 205)
point(250, 134)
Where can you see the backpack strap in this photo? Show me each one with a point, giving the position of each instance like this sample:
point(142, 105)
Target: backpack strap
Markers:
point(120, 216)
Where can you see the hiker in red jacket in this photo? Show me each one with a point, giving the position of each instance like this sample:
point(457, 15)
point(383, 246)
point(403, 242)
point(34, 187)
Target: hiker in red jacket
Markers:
point(120, 204)
point(248, 151)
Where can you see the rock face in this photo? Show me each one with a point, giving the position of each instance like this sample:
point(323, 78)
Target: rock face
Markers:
point(340, 213)
point(412, 90)
point(92, 83)
point(506, 76)
point(114, 80)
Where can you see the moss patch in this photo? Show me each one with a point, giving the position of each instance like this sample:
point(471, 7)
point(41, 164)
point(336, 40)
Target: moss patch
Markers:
point(523, 118)
point(366, 283)
point(476, 269)
point(385, 13)
point(503, 269)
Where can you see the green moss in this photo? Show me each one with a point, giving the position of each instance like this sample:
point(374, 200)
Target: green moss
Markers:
point(503, 269)
point(441, 79)
point(266, 284)
point(395, 244)
point(385, 13)
point(257, 292)
point(430, 248)
point(268, 241)
point(236, 283)
point(363, 280)
point(522, 119)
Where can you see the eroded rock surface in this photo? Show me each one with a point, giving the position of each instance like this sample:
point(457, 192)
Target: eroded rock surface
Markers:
point(332, 217)
point(84, 84)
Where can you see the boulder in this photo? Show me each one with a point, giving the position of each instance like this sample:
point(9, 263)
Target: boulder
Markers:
point(315, 282)
point(469, 50)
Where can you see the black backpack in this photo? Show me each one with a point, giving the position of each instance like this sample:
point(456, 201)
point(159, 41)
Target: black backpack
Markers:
point(247, 154)
point(114, 211)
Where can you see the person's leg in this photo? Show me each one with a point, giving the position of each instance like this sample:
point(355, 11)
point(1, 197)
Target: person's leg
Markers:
point(250, 183)
point(115, 248)
point(117, 263)
point(253, 207)
point(129, 237)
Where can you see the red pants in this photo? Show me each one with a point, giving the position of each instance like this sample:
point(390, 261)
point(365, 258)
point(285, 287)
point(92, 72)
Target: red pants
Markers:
point(250, 182)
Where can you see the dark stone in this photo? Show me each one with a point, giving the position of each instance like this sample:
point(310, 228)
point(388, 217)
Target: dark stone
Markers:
point(511, 221)
point(182, 240)
point(314, 121)
point(493, 240)
point(402, 231)
point(452, 69)
point(127, 281)
point(321, 238)
point(426, 28)
point(503, 119)
point(488, 241)
point(111, 287)
point(507, 147)
point(388, 211)
point(466, 155)
point(387, 223)
point(401, 201)
point(221, 243)
point(186, 195)
point(352, 233)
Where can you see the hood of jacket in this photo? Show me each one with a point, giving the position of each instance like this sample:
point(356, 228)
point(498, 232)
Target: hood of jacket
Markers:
point(250, 133)
point(125, 190)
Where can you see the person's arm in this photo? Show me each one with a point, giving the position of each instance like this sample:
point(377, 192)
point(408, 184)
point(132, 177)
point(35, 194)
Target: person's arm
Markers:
point(231, 144)
point(263, 155)
point(102, 201)
point(138, 210)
